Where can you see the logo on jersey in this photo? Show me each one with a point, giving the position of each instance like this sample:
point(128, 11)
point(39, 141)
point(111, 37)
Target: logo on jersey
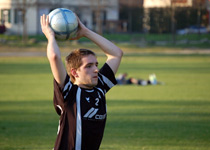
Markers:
point(91, 114)
point(87, 99)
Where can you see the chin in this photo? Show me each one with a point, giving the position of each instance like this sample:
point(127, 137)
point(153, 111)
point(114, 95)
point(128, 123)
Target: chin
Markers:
point(96, 83)
point(93, 84)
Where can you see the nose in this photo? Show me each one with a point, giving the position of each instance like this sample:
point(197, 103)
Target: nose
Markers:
point(96, 69)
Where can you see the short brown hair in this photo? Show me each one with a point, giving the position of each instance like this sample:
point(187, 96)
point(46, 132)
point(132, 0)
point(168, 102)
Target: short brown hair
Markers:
point(74, 60)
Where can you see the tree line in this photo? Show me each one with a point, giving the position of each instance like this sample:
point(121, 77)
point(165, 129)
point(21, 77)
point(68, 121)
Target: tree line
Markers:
point(163, 20)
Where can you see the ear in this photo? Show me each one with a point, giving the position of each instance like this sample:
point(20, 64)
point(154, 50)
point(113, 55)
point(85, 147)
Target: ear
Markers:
point(74, 72)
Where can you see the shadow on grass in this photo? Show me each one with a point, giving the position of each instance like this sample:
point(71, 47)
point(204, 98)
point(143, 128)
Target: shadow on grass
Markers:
point(130, 123)
point(27, 124)
point(24, 68)
point(152, 123)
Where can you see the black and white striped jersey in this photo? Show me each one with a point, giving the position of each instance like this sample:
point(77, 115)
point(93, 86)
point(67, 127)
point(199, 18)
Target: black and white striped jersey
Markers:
point(82, 112)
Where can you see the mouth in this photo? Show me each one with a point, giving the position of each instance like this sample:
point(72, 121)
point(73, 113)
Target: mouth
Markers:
point(95, 77)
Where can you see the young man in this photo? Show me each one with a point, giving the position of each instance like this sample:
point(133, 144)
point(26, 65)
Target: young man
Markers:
point(79, 90)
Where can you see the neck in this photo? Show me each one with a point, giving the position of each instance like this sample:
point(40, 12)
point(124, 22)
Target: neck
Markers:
point(84, 86)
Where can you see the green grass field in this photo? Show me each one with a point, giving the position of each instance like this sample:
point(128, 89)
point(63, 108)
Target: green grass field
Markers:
point(174, 116)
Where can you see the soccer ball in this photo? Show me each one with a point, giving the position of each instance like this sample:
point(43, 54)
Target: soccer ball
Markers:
point(64, 23)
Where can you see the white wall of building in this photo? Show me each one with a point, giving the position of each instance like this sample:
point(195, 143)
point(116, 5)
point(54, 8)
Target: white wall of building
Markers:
point(112, 14)
point(35, 8)
point(156, 3)
point(164, 3)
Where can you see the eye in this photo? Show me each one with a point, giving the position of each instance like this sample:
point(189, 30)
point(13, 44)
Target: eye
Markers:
point(97, 64)
point(88, 66)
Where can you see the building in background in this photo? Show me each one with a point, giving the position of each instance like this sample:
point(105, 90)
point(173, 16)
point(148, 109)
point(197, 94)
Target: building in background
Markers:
point(149, 4)
point(131, 3)
point(130, 15)
point(155, 16)
point(170, 15)
point(167, 3)
point(23, 16)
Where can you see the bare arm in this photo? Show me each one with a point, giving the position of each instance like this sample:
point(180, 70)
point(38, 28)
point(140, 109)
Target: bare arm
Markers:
point(113, 53)
point(53, 52)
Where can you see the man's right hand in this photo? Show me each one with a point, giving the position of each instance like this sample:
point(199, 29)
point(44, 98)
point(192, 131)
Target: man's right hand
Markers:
point(46, 29)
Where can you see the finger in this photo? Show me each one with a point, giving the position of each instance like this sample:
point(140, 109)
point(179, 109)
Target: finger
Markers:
point(43, 19)
point(47, 20)
point(43, 23)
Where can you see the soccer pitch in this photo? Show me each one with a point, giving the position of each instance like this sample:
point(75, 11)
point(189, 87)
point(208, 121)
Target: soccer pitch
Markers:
point(173, 116)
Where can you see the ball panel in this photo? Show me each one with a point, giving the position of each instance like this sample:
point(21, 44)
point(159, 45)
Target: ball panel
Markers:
point(72, 27)
point(59, 25)
point(65, 17)
point(54, 13)
point(61, 36)
point(73, 33)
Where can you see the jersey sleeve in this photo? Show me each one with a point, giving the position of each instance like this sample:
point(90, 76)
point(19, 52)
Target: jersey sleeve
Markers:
point(60, 94)
point(107, 78)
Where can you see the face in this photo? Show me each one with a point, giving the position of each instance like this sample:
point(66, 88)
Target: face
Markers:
point(87, 74)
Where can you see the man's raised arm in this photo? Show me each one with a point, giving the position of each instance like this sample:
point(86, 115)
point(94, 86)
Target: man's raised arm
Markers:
point(53, 52)
point(113, 53)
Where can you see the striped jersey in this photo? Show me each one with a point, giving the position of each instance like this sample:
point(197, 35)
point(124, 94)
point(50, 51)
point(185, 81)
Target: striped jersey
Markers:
point(82, 112)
